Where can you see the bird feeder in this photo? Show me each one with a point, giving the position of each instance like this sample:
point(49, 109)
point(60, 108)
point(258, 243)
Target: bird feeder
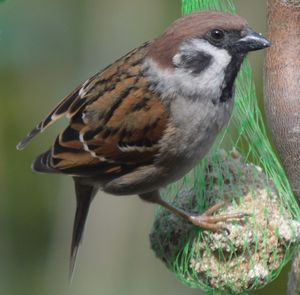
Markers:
point(282, 98)
point(243, 172)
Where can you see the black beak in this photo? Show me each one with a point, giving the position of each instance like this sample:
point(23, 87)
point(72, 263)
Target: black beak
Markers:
point(251, 41)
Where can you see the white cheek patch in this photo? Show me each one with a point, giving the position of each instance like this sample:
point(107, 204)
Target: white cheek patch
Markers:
point(177, 59)
point(209, 82)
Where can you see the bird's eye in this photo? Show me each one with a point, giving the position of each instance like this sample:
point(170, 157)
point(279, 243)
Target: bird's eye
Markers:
point(217, 34)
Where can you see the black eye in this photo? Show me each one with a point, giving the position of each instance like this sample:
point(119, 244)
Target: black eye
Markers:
point(217, 34)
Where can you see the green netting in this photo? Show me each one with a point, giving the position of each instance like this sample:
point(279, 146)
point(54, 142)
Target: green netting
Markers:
point(242, 170)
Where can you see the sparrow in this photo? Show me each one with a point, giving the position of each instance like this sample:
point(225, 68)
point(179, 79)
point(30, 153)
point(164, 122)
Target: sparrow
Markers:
point(151, 116)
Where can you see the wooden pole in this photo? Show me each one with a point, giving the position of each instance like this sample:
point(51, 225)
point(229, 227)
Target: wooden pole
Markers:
point(282, 84)
point(282, 98)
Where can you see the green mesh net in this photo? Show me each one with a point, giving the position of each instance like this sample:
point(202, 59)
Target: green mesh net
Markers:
point(243, 171)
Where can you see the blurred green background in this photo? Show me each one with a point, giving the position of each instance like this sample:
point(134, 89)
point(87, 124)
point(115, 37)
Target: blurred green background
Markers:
point(46, 49)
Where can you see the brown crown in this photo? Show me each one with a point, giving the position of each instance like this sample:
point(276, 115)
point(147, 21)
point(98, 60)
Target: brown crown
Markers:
point(190, 26)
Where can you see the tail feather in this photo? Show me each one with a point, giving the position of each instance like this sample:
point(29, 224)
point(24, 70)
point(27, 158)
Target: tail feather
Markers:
point(43, 163)
point(84, 197)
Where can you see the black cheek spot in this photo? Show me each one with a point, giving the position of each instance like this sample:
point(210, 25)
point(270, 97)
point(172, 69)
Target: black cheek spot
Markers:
point(196, 62)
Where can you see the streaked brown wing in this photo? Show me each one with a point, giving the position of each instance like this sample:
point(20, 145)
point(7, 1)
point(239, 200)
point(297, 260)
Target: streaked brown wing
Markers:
point(116, 125)
point(91, 90)
point(106, 139)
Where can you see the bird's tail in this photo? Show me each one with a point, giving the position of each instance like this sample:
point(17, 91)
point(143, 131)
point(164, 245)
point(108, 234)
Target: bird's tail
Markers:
point(84, 197)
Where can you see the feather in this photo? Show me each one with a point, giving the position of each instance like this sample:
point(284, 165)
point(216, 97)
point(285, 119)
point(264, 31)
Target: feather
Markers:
point(89, 91)
point(59, 111)
point(41, 164)
point(84, 197)
point(116, 132)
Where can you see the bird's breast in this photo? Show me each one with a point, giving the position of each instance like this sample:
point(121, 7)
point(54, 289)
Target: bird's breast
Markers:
point(194, 126)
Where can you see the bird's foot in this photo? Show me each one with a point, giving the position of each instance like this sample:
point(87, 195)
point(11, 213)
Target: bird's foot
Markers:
point(213, 223)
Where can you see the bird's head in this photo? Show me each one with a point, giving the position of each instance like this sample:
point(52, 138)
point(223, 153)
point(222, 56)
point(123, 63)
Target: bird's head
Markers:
point(208, 46)
point(214, 30)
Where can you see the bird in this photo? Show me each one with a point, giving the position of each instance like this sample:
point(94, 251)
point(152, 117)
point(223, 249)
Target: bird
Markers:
point(148, 118)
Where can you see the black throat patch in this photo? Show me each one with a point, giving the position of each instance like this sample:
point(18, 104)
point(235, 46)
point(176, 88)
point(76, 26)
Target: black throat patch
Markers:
point(231, 73)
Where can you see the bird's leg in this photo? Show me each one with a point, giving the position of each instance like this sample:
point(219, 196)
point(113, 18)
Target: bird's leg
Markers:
point(204, 221)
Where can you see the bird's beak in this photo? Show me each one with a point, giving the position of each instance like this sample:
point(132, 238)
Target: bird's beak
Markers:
point(251, 41)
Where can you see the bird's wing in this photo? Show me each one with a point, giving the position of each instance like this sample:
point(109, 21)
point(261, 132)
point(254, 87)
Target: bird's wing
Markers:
point(91, 90)
point(119, 128)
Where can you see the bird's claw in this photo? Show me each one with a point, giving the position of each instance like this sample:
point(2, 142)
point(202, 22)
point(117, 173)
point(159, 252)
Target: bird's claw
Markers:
point(215, 223)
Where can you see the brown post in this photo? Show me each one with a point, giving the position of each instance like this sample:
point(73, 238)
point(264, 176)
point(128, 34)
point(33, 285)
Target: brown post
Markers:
point(282, 98)
point(282, 84)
